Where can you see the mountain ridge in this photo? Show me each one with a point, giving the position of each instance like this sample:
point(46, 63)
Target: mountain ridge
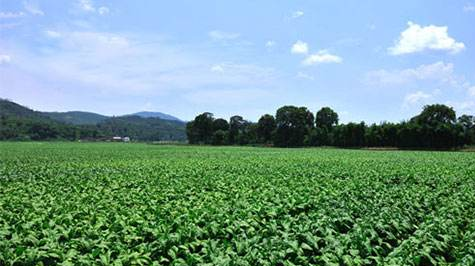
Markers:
point(148, 114)
point(91, 118)
point(18, 122)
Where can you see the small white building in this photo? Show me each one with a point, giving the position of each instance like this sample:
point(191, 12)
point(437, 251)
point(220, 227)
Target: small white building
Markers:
point(120, 139)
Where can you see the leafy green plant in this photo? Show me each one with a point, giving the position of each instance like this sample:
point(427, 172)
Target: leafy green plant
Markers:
point(113, 204)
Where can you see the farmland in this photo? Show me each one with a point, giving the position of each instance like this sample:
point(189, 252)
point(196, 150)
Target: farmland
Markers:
point(137, 204)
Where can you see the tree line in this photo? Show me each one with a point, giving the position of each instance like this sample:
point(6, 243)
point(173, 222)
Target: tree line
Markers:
point(437, 126)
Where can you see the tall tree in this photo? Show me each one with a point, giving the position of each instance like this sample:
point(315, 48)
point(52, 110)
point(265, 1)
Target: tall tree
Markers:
point(220, 124)
point(236, 126)
point(467, 124)
point(265, 127)
point(200, 130)
point(438, 129)
point(326, 118)
point(292, 125)
point(435, 114)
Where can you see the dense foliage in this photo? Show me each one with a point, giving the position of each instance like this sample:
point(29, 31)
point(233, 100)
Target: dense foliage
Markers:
point(435, 127)
point(134, 204)
point(76, 117)
point(20, 123)
point(143, 129)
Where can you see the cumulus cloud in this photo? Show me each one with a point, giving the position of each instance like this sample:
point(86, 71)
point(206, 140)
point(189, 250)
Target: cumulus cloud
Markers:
point(302, 75)
point(471, 91)
point(218, 35)
point(299, 47)
point(239, 73)
point(469, 7)
point(229, 97)
point(4, 59)
point(129, 64)
point(464, 106)
point(88, 6)
point(103, 10)
point(6, 15)
point(321, 57)
point(418, 38)
point(416, 98)
point(33, 8)
point(438, 71)
point(217, 69)
point(52, 34)
point(270, 44)
point(297, 14)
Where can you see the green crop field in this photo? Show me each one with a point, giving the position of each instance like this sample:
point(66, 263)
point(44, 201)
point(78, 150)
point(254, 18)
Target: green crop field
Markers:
point(138, 204)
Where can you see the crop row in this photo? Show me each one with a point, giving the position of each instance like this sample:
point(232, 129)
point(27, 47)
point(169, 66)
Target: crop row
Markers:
point(83, 204)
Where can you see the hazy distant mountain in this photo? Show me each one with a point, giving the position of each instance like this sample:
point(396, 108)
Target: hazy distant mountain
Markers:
point(143, 129)
point(76, 117)
point(18, 122)
point(88, 118)
point(9, 108)
point(160, 115)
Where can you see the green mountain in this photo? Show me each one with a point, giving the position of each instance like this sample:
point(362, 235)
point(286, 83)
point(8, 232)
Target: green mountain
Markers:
point(21, 123)
point(76, 117)
point(9, 108)
point(142, 129)
point(88, 118)
point(146, 114)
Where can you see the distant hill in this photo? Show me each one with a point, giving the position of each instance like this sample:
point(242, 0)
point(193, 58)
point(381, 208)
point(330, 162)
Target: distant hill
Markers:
point(160, 115)
point(88, 118)
point(76, 117)
point(9, 108)
point(143, 129)
point(18, 122)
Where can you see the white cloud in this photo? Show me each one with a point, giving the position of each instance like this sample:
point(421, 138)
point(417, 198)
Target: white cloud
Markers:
point(241, 73)
point(217, 69)
point(471, 91)
point(4, 59)
point(299, 47)
point(322, 56)
point(10, 25)
point(469, 7)
point(297, 14)
point(416, 98)
point(270, 44)
point(222, 36)
point(302, 75)
point(52, 34)
point(229, 97)
point(134, 65)
point(417, 38)
point(438, 71)
point(88, 6)
point(33, 8)
point(6, 15)
point(464, 106)
point(103, 10)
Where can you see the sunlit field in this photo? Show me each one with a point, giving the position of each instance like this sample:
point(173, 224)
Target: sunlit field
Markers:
point(138, 204)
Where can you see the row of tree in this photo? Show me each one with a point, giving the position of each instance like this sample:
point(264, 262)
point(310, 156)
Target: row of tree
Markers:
point(437, 126)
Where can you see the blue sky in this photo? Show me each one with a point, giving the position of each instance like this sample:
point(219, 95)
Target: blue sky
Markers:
point(368, 60)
